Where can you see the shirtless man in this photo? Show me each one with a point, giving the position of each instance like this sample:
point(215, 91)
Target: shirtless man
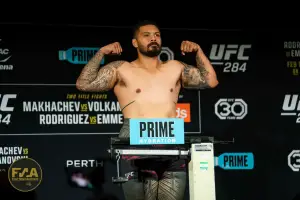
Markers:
point(149, 88)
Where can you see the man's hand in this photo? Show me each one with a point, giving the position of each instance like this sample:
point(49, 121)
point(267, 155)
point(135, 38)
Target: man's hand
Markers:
point(187, 47)
point(113, 48)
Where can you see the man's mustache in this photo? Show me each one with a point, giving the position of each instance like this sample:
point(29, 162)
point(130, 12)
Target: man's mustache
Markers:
point(153, 43)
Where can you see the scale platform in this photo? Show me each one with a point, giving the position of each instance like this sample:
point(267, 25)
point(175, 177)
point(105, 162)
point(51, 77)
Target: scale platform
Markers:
point(199, 150)
point(121, 146)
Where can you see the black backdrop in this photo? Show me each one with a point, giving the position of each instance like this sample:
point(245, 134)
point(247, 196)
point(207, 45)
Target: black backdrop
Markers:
point(253, 67)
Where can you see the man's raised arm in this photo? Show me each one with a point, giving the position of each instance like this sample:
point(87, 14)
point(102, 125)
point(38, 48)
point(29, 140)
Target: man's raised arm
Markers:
point(92, 79)
point(201, 76)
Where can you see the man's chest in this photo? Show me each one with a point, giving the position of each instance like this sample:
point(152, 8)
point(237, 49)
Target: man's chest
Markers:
point(159, 78)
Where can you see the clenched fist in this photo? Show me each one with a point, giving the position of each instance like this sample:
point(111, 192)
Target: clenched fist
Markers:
point(113, 48)
point(187, 46)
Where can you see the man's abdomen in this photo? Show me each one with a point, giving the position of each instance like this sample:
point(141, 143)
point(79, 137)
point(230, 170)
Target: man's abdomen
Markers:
point(139, 109)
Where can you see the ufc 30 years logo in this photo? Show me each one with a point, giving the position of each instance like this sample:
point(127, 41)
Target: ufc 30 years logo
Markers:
point(231, 109)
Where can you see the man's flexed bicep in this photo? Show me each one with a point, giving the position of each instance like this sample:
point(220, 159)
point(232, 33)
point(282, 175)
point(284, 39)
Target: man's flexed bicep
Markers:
point(105, 80)
point(193, 78)
point(200, 76)
point(92, 79)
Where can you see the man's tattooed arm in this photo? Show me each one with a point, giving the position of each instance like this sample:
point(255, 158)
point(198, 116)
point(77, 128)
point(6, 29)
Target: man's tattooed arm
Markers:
point(200, 77)
point(92, 80)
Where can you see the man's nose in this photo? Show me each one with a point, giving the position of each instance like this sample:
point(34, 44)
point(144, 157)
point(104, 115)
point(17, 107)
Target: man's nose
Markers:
point(153, 38)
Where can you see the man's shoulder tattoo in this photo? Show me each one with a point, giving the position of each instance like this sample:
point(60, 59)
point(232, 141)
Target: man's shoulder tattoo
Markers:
point(116, 64)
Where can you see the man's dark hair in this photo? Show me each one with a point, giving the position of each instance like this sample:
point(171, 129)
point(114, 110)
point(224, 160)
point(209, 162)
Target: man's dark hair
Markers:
point(142, 23)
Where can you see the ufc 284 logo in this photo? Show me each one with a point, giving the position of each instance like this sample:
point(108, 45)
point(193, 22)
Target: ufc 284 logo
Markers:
point(231, 109)
point(6, 108)
point(291, 106)
point(233, 57)
point(294, 160)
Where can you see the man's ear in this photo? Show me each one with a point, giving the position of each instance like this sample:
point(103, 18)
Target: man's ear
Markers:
point(134, 43)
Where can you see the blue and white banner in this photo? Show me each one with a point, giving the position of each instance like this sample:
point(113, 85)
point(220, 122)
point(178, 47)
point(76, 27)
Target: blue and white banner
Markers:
point(156, 131)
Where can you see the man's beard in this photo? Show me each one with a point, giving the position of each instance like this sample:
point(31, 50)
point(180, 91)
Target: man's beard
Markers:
point(152, 50)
